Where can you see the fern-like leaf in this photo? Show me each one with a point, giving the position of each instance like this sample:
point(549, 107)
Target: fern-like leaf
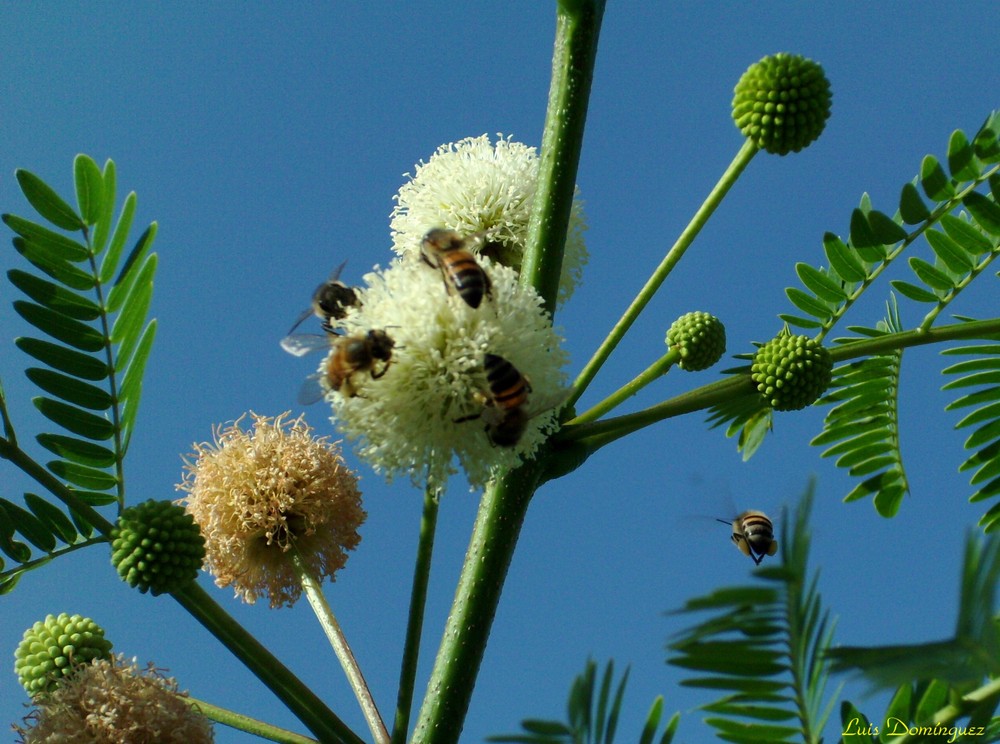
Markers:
point(862, 428)
point(763, 645)
point(592, 718)
point(971, 654)
point(94, 348)
point(981, 374)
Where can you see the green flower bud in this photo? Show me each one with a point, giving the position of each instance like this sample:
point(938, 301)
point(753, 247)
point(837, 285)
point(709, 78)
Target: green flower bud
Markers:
point(52, 649)
point(700, 338)
point(157, 546)
point(782, 103)
point(791, 372)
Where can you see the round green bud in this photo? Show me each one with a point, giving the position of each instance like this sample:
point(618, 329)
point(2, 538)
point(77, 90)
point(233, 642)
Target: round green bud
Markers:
point(53, 648)
point(791, 372)
point(782, 103)
point(700, 338)
point(157, 546)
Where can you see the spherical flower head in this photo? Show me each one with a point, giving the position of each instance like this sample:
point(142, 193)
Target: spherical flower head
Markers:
point(256, 493)
point(791, 371)
point(157, 546)
point(700, 338)
point(434, 400)
point(110, 701)
point(476, 186)
point(51, 649)
point(782, 103)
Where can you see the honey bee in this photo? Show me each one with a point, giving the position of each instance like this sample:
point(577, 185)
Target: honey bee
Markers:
point(349, 354)
point(353, 354)
point(753, 534)
point(448, 251)
point(505, 409)
point(330, 301)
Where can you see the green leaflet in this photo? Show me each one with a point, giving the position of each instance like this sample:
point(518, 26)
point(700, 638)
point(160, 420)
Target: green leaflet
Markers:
point(73, 362)
point(911, 206)
point(962, 160)
point(77, 450)
point(70, 389)
point(54, 297)
point(47, 202)
point(89, 188)
point(61, 327)
point(56, 267)
point(102, 229)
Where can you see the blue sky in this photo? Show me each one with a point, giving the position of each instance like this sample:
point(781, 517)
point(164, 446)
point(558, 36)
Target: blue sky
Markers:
point(268, 144)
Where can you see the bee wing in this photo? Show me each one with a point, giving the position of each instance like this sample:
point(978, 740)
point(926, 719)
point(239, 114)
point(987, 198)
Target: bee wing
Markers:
point(300, 344)
point(311, 391)
point(298, 321)
point(336, 272)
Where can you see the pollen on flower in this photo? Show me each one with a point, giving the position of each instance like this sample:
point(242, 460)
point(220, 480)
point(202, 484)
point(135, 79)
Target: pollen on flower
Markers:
point(256, 493)
point(475, 186)
point(112, 701)
point(434, 402)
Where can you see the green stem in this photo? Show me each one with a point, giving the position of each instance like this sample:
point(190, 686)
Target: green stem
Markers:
point(286, 686)
point(335, 634)
point(415, 622)
point(494, 537)
point(578, 25)
point(653, 372)
point(241, 722)
point(596, 434)
point(715, 197)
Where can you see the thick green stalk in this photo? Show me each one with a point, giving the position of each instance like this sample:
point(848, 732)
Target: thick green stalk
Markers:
point(286, 686)
point(494, 537)
point(578, 25)
point(415, 623)
point(712, 201)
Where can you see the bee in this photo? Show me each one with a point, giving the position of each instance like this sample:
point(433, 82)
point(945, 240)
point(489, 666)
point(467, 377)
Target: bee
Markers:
point(505, 409)
point(353, 354)
point(753, 534)
point(348, 355)
point(448, 251)
point(330, 301)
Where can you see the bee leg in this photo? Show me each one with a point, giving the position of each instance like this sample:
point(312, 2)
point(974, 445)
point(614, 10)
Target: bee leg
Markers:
point(378, 375)
point(470, 417)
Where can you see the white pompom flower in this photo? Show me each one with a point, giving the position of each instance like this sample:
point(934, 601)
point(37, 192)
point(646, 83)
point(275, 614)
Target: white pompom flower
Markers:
point(431, 403)
point(475, 186)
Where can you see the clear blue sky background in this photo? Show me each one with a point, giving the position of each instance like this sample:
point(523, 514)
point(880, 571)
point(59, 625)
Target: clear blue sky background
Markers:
point(268, 143)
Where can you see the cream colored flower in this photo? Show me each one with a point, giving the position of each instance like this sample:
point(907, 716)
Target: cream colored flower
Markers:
point(255, 493)
point(433, 402)
point(111, 702)
point(476, 186)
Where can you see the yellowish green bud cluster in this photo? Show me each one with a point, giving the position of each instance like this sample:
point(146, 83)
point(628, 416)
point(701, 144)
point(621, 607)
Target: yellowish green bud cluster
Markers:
point(700, 338)
point(782, 103)
point(53, 648)
point(791, 372)
point(156, 546)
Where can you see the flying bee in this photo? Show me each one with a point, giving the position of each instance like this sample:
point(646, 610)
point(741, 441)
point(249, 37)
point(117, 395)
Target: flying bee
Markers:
point(753, 534)
point(330, 301)
point(448, 251)
point(504, 409)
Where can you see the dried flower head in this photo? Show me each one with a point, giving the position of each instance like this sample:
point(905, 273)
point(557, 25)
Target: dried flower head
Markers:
point(476, 186)
point(255, 493)
point(435, 398)
point(111, 702)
